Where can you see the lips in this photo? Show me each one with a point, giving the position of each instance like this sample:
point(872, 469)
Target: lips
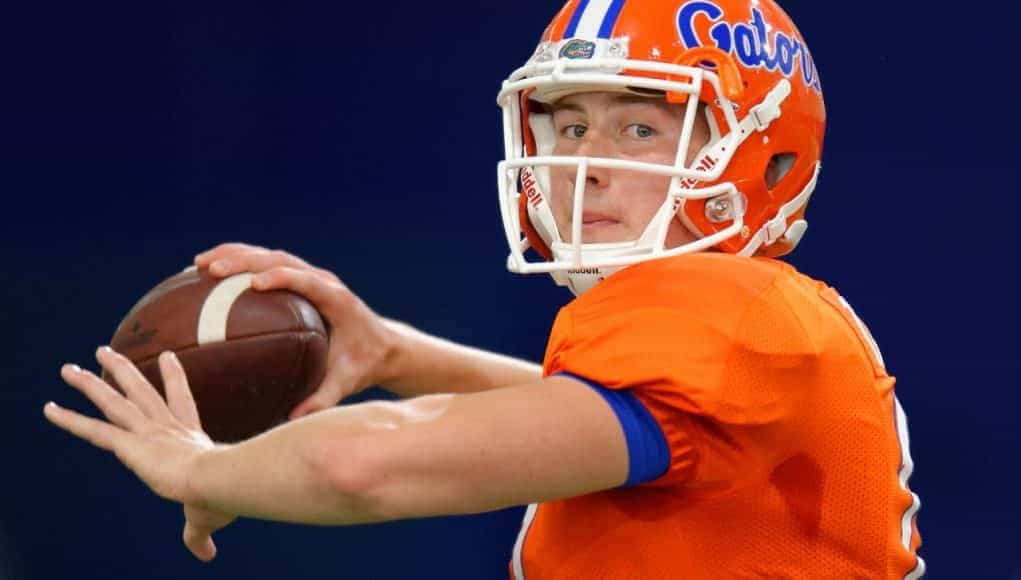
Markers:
point(591, 218)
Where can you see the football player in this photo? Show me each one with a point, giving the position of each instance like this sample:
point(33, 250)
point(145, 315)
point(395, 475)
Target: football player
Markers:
point(703, 410)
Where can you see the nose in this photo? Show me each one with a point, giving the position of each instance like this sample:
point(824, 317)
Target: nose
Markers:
point(594, 145)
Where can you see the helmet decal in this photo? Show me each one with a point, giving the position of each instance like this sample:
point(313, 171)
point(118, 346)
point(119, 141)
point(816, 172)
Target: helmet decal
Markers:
point(749, 41)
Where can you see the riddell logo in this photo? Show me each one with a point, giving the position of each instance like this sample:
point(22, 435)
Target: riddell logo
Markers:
point(528, 185)
point(705, 164)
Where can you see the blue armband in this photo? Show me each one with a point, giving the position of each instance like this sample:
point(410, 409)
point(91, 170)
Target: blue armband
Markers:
point(648, 453)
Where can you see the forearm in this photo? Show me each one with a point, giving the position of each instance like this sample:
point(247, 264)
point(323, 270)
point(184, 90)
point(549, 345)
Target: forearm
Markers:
point(284, 474)
point(433, 455)
point(425, 364)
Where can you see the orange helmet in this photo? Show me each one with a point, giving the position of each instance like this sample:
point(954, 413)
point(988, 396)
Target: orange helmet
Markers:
point(744, 193)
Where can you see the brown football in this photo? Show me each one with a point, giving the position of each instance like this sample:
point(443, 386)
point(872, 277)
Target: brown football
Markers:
point(250, 356)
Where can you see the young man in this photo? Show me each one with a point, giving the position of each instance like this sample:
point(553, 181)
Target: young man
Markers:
point(703, 411)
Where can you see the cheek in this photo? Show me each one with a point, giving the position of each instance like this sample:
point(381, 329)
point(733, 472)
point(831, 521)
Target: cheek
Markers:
point(646, 193)
point(560, 183)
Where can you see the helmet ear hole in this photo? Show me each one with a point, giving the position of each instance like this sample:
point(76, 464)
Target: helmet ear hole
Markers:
point(778, 168)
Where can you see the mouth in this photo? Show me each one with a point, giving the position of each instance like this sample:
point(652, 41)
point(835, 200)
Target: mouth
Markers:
point(599, 228)
point(593, 219)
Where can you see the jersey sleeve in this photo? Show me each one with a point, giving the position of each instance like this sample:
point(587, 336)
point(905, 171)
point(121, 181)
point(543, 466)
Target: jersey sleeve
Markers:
point(706, 372)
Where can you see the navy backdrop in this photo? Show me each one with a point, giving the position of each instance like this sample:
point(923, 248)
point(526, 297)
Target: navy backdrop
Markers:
point(364, 138)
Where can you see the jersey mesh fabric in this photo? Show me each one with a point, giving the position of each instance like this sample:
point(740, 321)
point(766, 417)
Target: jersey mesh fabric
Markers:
point(784, 455)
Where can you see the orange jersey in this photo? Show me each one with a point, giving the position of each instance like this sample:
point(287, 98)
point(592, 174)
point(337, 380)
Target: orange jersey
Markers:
point(787, 448)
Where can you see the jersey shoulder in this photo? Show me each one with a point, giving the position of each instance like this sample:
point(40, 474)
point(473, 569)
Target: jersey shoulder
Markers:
point(695, 325)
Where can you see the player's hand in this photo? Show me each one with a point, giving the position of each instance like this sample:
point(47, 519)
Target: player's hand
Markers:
point(158, 440)
point(360, 342)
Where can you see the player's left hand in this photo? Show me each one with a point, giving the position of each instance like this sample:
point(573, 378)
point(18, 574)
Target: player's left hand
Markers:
point(158, 440)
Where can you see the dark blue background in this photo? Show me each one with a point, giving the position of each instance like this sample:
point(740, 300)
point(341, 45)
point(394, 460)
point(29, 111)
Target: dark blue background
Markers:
point(364, 138)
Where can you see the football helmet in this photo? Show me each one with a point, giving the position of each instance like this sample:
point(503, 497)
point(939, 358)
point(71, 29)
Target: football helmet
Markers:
point(744, 193)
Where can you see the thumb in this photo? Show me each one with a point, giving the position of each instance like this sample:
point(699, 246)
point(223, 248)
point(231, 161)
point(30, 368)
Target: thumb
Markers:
point(199, 542)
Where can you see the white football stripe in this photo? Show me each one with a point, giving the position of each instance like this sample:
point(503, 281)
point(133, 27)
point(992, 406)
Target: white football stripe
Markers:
point(216, 309)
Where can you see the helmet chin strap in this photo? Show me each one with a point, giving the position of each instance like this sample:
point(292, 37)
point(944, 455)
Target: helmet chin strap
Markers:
point(776, 229)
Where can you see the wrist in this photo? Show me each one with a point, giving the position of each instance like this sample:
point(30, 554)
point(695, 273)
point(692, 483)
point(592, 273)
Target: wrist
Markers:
point(392, 366)
point(196, 490)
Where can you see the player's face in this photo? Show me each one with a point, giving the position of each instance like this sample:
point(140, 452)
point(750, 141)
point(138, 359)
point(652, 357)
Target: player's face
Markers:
point(618, 204)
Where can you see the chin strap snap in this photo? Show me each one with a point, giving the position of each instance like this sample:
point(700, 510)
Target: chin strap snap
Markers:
point(762, 115)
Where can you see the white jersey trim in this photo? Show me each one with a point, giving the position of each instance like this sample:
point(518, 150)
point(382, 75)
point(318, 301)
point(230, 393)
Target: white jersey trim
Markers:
point(907, 466)
point(519, 545)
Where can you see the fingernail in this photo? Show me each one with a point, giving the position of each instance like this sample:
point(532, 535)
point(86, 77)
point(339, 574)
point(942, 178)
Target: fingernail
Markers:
point(75, 368)
point(106, 349)
point(220, 266)
point(168, 355)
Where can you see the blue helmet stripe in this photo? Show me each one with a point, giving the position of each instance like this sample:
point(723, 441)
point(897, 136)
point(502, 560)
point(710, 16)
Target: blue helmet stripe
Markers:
point(610, 19)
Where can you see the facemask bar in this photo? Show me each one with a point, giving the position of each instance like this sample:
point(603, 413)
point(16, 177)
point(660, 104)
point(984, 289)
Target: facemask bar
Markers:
point(603, 73)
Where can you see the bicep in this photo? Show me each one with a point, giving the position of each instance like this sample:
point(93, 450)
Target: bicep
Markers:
point(553, 438)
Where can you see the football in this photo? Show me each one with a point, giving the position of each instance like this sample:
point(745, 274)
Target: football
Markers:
point(250, 356)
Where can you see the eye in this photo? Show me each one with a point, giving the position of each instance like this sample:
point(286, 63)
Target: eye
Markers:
point(574, 131)
point(639, 131)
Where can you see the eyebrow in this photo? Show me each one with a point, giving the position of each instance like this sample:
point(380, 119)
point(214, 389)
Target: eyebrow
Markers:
point(617, 99)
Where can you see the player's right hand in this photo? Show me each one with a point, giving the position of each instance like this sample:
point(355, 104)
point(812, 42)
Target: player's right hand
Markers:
point(360, 342)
